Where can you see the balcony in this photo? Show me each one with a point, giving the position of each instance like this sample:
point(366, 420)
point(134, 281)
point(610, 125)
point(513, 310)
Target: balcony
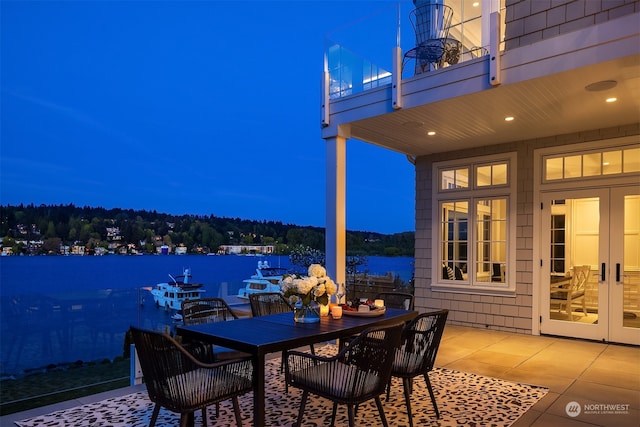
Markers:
point(549, 78)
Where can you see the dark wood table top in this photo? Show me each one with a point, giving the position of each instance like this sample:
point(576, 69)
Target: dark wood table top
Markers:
point(267, 334)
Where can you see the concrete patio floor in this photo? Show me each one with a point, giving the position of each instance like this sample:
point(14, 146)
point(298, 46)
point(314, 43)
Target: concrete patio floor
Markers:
point(590, 374)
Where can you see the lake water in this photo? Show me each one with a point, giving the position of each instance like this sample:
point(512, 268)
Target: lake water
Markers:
point(64, 309)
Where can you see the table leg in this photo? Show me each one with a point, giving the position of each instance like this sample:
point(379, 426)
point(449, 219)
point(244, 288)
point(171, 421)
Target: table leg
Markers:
point(258, 391)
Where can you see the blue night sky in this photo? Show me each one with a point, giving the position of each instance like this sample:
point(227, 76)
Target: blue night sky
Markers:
point(185, 107)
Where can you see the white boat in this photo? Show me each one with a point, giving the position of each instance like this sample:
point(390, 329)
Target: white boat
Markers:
point(170, 295)
point(266, 279)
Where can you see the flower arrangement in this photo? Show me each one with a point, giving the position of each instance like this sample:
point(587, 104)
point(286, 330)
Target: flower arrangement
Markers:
point(316, 286)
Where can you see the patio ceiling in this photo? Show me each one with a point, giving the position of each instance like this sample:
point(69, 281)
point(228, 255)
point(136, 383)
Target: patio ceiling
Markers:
point(542, 107)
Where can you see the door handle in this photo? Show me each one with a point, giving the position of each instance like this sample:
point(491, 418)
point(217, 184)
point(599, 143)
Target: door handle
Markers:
point(603, 274)
point(618, 272)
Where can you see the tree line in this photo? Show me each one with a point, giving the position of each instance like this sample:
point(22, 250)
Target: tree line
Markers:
point(42, 229)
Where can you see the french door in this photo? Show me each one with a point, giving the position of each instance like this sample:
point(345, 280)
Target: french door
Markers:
point(596, 231)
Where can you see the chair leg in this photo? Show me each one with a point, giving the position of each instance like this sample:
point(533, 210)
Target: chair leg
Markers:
point(283, 366)
point(303, 403)
point(433, 397)
point(187, 419)
point(333, 413)
point(381, 410)
point(351, 416)
point(236, 411)
point(388, 389)
point(407, 399)
point(154, 416)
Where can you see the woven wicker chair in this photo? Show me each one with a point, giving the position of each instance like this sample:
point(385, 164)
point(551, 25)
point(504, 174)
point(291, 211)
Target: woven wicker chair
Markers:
point(358, 373)
point(400, 300)
point(417, 354)
point(178, 380)
point(207, 310)
point(266, 303)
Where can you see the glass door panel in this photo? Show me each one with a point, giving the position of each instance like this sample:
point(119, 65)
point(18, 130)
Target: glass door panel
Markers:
point(625, 301)
point(574, 239)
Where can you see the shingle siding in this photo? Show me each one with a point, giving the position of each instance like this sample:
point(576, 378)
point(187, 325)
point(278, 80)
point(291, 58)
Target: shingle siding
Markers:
point(530, 21)
point(512, 313)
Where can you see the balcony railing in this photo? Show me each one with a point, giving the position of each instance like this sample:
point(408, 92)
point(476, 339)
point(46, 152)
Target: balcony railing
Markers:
point(358, 56)
point(55, 346)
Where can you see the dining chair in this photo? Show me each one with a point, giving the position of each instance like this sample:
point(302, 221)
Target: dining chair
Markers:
point(266, 303)
point(207, 310)
point(177, 378)
point(400, 300)
point(417, 354)
point(358, 373)
point(575, 290)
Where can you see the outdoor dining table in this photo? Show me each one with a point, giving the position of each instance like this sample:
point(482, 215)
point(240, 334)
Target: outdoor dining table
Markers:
point(262, 335)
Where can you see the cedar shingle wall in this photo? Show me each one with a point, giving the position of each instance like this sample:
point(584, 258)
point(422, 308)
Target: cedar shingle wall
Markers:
point(513, 314)
point(530, 21)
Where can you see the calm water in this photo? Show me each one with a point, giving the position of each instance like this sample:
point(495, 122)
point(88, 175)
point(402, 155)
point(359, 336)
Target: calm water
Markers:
point(64, 309)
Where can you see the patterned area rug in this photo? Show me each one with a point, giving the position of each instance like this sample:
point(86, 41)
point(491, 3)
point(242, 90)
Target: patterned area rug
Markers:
point(463, 399)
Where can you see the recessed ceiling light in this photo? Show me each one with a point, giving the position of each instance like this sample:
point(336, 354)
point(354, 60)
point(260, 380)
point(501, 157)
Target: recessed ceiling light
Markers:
point(431, 133)
point(509, 119)
point(602, 85)
point(612, 99)
point(476, 4)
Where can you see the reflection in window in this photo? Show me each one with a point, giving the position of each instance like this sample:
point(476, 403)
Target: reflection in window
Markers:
point(454, 226)
point(491, 231)
point(611, 162)
point(454, 178)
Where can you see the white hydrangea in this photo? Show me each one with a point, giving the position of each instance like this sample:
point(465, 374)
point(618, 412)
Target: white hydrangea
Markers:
point(304, 285)
point(330, 286)
point(319, 290)
point(316, 270)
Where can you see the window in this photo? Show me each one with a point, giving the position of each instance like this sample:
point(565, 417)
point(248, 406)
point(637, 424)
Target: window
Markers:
point(592, 164)
point(475, 203)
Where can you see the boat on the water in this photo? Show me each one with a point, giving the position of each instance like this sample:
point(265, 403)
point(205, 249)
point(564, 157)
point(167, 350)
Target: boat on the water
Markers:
point(170, 295)
point(266, 279)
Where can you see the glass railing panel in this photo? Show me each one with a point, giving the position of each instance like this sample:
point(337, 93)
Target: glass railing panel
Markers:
point(56, 346)
point(359, 55)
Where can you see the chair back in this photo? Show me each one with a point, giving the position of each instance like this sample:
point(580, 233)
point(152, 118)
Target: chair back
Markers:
point(579, 278)
point(164, 362)
point(400, 300)
point(419, 345)
point(206, 310)
point(265, 303)
point(372, 353)
point(431, 21)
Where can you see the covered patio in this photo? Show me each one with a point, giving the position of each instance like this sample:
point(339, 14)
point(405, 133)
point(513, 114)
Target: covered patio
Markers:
point(590, 374)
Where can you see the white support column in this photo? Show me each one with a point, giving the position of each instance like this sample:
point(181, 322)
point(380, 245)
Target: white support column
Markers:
point(335, 242)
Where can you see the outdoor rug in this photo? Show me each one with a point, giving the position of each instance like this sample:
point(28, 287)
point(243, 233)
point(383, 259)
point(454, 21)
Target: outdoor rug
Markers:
point(463, 400)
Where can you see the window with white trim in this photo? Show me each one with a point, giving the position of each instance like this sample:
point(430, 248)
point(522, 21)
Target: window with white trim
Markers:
point(475, 205)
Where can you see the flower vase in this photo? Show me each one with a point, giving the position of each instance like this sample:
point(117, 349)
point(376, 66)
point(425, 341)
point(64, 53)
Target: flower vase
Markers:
point(306, 313)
